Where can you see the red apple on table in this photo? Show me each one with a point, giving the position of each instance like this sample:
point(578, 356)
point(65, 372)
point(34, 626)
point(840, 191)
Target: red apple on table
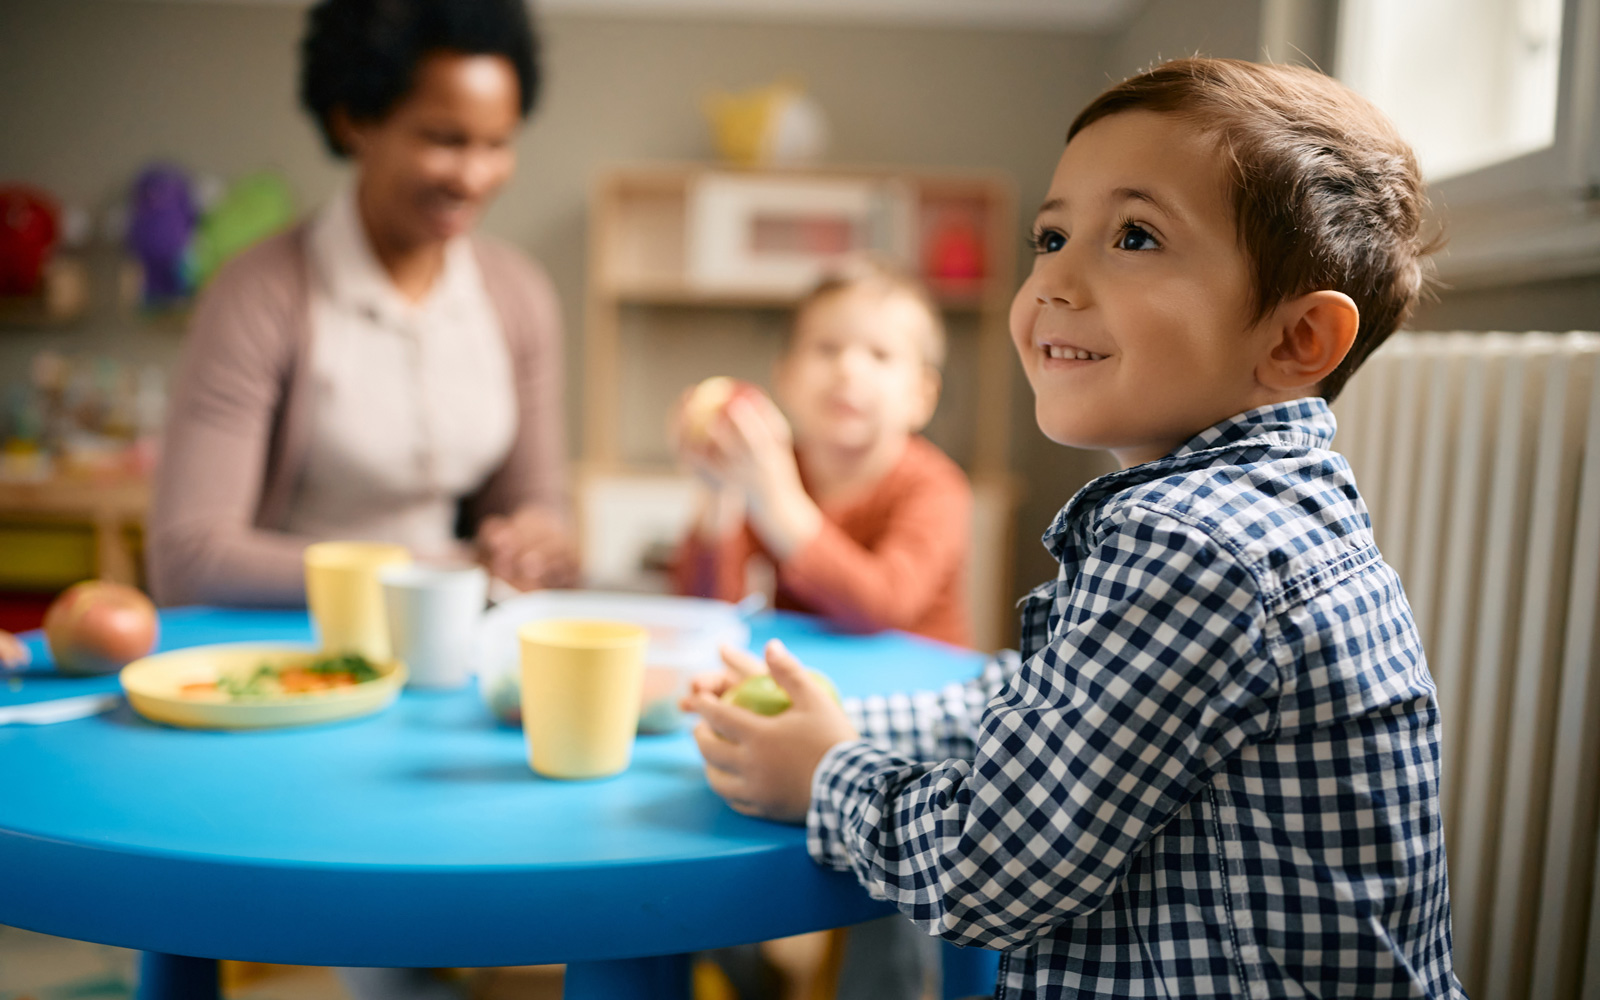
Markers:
point(707, 402)
point(98, 627)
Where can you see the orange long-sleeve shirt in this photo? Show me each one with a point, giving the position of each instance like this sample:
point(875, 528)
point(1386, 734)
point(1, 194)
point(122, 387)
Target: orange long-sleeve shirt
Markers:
point(895, 557)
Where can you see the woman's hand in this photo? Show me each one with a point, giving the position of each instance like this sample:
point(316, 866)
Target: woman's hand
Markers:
point(530, 550)
point(762, 765)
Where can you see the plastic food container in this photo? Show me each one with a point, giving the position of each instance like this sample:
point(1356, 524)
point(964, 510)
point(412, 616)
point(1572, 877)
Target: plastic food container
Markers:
point(684, 635)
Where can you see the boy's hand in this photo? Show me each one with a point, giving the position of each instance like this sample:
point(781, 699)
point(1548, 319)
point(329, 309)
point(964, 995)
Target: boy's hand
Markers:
point(737, 666)
point(763, 764)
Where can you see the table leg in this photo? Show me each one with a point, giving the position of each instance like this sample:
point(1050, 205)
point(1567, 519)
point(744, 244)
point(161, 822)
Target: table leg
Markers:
point(663, 977)
point(177, 977)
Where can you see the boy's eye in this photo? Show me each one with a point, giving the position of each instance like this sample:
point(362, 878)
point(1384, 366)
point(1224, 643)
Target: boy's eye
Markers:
point(1048, 241)
point(1133, 236)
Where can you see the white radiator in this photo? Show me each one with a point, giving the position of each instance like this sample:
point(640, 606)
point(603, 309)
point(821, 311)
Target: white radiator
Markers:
point(1479, 458)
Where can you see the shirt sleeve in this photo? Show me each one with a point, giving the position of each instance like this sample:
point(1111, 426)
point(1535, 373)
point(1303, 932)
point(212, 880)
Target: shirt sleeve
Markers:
point(203, 544)
point(892, 583)
point(713, 568)
point(1157, 673)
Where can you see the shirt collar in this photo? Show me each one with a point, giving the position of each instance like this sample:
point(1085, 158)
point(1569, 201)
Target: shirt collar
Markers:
point(351, 275)
point(1298, 423)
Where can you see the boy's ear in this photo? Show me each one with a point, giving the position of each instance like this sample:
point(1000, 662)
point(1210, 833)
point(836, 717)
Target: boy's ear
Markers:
point(1310, 335)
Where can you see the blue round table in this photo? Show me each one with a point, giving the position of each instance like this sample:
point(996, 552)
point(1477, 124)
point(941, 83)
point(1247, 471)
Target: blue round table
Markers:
point(414, 837)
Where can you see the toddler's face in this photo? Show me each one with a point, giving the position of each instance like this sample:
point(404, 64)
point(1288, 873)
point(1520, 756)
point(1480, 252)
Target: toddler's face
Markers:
point(1134, 327)
point(856, 369)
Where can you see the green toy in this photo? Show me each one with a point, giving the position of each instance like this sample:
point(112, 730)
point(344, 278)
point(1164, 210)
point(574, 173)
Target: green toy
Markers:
point(255, 207)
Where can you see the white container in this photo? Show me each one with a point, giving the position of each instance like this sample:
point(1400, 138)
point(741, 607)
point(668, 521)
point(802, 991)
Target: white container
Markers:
point(434, 615)
point(684, 635)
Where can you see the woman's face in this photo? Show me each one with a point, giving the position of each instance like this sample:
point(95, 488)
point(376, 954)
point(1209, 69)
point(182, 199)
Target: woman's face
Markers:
point(428, 168)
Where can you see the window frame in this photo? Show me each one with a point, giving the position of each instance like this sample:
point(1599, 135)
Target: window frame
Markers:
point(1535, 216)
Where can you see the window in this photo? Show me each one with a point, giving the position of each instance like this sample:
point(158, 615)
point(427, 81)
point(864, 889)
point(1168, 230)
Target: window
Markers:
point(1501, 99)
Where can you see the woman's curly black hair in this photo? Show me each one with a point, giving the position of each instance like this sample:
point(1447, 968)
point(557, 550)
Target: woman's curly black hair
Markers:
point(362, 55)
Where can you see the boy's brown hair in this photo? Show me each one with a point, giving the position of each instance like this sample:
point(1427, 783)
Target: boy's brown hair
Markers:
point(1326, 193)
point(867, 271)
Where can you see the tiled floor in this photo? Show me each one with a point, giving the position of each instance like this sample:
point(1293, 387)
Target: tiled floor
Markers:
point(39, 967)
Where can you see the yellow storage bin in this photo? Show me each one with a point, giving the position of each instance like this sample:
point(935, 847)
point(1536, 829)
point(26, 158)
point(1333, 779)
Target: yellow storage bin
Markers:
point(45, 557)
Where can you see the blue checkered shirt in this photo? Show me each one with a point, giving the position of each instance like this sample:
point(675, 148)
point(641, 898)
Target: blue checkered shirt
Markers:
point(1213, 770)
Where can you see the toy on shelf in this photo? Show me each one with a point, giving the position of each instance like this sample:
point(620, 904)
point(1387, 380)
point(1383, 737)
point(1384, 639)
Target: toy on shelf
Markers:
point(253, 208)
point(93, 417)
point(772, 126)
point(30, 226)
point(39, 285)
point(162, 219)
point(181, 230)
point(954, 259)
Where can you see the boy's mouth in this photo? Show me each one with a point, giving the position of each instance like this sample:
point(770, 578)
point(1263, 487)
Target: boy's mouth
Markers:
point(1067, 352)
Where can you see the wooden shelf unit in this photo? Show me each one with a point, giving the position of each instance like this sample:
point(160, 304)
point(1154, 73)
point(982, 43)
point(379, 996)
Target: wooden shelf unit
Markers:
point(638, 278)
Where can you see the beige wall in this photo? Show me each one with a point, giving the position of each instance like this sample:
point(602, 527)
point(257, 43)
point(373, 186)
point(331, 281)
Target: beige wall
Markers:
point(1568, 304)
point(1171, 29)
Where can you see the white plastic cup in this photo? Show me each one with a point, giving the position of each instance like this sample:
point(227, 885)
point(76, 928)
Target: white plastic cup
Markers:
point(433, 615)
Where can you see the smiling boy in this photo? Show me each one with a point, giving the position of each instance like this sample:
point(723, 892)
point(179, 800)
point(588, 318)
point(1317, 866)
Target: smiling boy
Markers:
point(1213, 769)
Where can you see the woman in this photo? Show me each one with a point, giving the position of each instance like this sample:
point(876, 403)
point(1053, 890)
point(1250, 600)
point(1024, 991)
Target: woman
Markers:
point(377, 372)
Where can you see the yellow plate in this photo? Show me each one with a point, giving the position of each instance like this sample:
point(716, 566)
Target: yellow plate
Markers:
point(154, 682)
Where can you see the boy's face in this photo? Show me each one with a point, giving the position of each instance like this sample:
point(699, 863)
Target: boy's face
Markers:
point(1134, 327)
point(855, 372)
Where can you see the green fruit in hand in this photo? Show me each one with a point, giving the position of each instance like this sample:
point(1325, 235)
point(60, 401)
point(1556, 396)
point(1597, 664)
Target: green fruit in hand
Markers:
point(762, 695)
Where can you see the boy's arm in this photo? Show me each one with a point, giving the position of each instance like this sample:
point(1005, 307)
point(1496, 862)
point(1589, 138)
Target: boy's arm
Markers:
point(1158, 677)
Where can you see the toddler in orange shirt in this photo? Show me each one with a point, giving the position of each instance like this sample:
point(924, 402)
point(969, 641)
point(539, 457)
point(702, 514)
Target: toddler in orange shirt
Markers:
point(865, 522)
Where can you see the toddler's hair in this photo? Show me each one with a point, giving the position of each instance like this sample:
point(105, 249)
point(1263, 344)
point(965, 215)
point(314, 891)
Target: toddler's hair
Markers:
point(1326, 194)
point(865, 271)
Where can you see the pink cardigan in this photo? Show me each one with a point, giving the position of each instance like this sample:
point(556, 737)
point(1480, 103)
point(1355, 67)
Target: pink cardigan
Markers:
point(238, 425)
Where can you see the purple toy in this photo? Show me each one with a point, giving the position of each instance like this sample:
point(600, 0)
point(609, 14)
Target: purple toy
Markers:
point(161, 222)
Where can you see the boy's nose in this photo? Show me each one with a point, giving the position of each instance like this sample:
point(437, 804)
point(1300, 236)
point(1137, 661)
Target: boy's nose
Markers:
point(1059, 281)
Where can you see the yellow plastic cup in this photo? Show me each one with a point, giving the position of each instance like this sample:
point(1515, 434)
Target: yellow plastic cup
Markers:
point(345, 597)
point(581, 684)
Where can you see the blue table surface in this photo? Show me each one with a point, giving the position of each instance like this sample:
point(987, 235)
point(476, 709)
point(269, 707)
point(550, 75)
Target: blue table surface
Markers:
point(415, 836)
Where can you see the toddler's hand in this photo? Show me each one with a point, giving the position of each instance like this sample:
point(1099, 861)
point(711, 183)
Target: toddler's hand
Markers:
point(762, 765)
point(698, 453)
point(760, 457)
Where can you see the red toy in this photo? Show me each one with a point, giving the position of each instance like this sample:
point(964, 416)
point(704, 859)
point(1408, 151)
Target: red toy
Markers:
point(30, 225)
